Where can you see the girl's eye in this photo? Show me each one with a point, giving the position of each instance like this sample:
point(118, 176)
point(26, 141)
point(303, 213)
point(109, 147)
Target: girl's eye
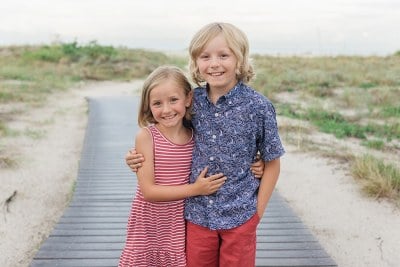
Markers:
point(156, 104)
point(204, 56)
point(173, 100)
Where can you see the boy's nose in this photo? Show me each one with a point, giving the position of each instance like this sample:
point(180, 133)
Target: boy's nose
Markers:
point(215, 61)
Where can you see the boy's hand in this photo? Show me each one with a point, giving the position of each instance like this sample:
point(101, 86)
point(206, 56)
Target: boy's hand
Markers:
point(134, 160)
point(257, 168)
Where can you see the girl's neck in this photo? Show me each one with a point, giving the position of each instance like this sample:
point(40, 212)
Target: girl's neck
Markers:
point(177, 135)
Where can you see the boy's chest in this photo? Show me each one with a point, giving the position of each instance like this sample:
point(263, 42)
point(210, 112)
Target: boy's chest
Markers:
point(225, 124)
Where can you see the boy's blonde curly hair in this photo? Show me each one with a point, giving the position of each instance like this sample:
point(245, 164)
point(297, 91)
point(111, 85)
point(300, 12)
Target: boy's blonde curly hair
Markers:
point(237, 42)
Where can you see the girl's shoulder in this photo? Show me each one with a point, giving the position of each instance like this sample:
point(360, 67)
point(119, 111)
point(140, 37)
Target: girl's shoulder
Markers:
point(144, 134)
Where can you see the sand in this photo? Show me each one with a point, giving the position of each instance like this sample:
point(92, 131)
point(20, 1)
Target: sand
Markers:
point(354, 229)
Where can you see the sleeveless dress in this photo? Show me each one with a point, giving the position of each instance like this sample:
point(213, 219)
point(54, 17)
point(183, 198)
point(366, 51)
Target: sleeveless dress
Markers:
point(156, 230)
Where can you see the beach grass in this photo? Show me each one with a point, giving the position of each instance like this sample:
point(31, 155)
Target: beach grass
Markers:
point(351, 98)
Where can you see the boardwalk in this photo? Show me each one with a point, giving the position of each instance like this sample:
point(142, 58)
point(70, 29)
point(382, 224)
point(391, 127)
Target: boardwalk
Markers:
point(92, 230)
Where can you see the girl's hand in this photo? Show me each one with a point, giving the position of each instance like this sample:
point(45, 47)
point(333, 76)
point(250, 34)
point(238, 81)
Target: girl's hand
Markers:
point(209, 185)
point(134, 160)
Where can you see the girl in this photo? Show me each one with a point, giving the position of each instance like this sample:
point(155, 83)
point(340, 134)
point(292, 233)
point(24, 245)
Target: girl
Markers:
point(156, 226)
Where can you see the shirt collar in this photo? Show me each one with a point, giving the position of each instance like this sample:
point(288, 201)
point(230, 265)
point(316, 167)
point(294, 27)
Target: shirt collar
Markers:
point(231, 98)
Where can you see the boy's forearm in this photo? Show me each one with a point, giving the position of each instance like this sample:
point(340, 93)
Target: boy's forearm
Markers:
point(267, 184)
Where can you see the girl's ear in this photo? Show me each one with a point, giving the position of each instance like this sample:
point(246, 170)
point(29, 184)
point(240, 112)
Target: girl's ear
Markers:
point(189, 98)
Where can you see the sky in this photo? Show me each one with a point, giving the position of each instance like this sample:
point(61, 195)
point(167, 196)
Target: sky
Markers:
point(276, 27)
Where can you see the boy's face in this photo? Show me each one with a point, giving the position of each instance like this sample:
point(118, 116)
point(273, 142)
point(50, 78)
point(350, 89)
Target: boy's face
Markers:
point(217, 65)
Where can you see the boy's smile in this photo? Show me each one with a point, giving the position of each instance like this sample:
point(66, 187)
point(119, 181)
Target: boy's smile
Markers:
point(217, 65)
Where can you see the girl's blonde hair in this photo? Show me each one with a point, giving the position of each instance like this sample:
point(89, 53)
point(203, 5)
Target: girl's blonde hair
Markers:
point(158, 76)
point(237, 42)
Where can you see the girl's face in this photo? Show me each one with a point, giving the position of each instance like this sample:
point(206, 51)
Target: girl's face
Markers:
point(168, 103)
point(217, 64)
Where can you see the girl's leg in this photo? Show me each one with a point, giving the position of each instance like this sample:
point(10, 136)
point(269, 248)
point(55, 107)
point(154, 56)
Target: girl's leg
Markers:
point(238, 245)
point(202, 246)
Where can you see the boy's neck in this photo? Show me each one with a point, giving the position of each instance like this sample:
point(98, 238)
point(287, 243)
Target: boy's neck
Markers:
point(214, 93)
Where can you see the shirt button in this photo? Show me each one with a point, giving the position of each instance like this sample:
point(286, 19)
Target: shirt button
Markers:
point(216, 114)
point(214, 136)
point(211, 158)
point(211, 201)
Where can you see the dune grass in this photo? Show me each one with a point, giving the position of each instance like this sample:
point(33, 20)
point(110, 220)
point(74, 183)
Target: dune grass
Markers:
point(351, 98)
point(29, 73)
point(355, 98)
point(379, 179)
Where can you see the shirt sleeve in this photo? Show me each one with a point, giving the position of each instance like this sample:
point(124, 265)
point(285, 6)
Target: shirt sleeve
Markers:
point(268, 142)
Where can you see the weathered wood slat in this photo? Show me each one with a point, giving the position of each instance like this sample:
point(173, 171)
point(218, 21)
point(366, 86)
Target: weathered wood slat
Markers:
point(98, 262)
point(92, 230)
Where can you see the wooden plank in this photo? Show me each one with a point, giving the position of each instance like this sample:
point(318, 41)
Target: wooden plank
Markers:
point(79, 254)
point(92, 230)
point(85, 239)
point(75, 263)
point(298, 262)
point(82, 246)
point(92, 226)
point(287, 246)
point(93, 219)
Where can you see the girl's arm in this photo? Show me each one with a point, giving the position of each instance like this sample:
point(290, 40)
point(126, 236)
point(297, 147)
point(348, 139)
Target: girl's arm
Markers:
point(153, 192)
point(267, 184)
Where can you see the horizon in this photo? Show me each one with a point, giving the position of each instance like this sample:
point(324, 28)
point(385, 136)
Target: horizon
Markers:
point(286, 27)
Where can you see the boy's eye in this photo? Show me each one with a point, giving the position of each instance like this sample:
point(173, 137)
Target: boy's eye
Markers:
point(174, 99)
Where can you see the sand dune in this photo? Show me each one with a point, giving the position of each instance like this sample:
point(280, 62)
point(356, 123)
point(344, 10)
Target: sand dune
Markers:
point(354, 229)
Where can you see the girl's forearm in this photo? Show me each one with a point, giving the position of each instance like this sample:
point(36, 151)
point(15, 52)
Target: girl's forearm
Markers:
point(157, 193)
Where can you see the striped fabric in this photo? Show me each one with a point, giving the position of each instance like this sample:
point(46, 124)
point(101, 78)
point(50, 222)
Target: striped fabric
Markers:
point(156, 230)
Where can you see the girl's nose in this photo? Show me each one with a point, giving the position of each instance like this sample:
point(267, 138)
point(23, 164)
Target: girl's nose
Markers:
point(166, 108)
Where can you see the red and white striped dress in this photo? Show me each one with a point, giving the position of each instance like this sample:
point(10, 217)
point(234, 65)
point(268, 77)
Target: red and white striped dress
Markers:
point(156, 230)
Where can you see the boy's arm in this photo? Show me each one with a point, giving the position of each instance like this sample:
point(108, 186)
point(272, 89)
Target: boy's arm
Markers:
point(267, 185)
point(134, 160)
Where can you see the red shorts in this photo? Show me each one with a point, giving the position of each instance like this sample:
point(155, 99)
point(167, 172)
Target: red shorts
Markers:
point(234, 247)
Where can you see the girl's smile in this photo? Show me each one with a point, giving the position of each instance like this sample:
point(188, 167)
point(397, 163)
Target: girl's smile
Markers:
point(168, 104)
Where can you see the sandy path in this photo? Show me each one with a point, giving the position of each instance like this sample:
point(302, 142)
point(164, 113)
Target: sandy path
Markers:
point(47, 170)
point(355, 230)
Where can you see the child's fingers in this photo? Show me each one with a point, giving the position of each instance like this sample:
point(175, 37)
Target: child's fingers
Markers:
point(218, 181)
point(203, 172)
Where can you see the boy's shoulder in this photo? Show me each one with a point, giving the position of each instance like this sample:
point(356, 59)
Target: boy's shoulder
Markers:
point(199, 90)
point(251, 93)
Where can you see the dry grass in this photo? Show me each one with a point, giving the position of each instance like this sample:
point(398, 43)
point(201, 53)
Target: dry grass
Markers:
point(353, 100)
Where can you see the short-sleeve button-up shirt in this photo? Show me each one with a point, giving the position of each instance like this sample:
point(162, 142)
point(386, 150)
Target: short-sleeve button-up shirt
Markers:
point(228, 135)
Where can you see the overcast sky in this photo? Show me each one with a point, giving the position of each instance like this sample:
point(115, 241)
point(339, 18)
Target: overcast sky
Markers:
point(329, 27)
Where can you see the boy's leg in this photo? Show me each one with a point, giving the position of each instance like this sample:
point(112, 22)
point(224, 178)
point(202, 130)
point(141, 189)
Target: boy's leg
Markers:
point(202, 246)
point(238, 245)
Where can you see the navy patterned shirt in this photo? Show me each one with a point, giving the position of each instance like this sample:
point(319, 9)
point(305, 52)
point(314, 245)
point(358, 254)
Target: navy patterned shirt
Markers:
point(227, 138)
